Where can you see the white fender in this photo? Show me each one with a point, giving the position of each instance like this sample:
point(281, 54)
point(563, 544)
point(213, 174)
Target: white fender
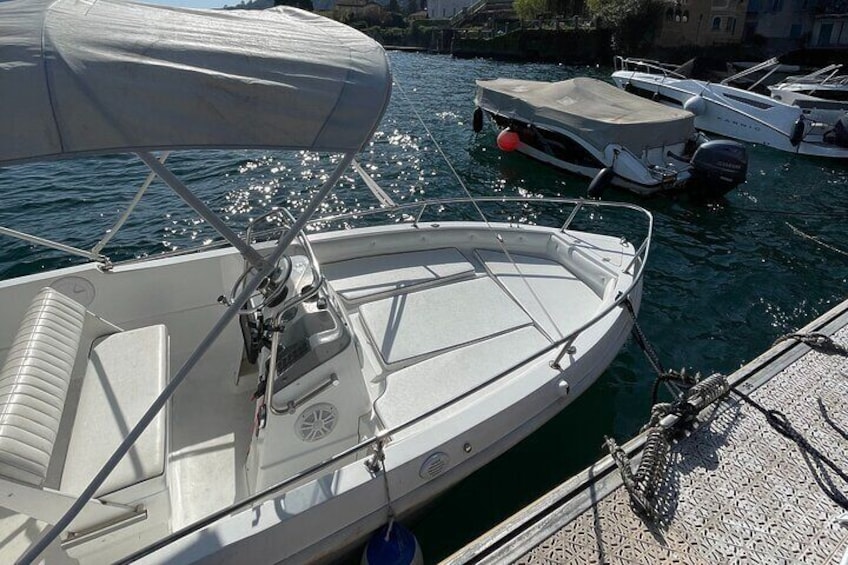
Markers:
point(695, 104)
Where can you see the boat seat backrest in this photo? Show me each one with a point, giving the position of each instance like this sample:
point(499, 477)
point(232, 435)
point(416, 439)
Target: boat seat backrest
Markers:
point(71, 388)
point(34, 384)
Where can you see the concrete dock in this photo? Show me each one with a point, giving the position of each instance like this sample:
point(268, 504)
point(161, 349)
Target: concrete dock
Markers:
point(734, 489)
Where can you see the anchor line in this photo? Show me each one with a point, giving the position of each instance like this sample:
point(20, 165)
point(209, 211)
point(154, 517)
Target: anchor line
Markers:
point(671, 379)
point(816, 240)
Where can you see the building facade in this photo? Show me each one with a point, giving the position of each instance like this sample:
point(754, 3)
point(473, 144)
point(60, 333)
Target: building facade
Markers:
point(702, 22)
point(446, 9)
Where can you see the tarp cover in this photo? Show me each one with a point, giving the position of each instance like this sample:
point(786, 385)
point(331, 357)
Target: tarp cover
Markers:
point(101, 76)
point(592, 109)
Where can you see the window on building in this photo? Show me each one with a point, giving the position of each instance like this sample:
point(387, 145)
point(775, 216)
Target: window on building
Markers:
point(730, 25)
point(716, 23)
point(795, 31)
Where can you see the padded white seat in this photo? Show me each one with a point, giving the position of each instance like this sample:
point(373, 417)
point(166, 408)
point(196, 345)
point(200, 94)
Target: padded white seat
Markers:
point(54, 393)
point(125, 373)
point(34, 383)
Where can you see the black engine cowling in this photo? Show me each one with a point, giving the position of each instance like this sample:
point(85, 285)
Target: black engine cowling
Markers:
point(839, 134)
point(719, 166)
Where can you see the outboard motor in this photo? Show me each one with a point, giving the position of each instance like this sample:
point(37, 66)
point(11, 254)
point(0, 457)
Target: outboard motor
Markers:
point(839, 134)
point(719, 166)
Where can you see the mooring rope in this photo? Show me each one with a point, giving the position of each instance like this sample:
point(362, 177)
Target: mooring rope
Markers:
point(642, 486)
point(781, 424)
point(817, 341)
point(640, 338)
point(816, 240)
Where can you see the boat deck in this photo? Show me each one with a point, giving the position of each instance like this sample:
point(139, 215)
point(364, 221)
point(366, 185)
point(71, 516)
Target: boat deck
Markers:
point(432, 325)
point(438, 323)
point(735, 489)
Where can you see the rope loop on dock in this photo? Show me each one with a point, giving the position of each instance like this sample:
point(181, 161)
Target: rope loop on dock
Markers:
point(812, 456)
point(643, 485)
point(818, 341)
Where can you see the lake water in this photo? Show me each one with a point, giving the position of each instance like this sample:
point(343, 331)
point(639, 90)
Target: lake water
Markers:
point(724, 280)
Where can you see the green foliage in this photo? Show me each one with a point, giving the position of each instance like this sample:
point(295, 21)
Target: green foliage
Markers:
point(634, 22)
point(529, 9)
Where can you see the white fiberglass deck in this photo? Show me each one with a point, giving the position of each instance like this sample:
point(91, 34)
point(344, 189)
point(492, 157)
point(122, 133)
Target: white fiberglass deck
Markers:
point(456, 320)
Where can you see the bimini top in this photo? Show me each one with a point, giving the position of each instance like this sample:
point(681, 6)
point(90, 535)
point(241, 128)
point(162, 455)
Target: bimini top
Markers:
point(106, 76)
point(594, 110)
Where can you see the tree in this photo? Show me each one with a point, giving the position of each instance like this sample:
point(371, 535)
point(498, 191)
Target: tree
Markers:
point(633, 22)
point(529, 9)
point(393, 6)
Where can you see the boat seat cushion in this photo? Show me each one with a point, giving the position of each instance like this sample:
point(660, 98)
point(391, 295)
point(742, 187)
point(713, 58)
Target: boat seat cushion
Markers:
point(126, 372)
point(34, 384)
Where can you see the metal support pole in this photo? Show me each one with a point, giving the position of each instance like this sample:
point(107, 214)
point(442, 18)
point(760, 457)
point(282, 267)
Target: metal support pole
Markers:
point(228, 315)
point(250, 254)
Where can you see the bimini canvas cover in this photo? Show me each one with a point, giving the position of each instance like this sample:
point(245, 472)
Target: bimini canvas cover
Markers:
point(592, 109)
point(96, 76)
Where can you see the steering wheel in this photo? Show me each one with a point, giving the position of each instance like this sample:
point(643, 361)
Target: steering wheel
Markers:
point(272, 289)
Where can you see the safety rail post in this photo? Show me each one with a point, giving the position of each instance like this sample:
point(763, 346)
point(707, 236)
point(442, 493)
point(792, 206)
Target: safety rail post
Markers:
point(420, 213)
point(567, 347)
point(571, 216)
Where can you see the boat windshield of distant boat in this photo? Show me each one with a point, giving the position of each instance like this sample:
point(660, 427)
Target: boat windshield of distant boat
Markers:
point(589, 127)
point(271, 396)
point(824, 89)
point(738, 113)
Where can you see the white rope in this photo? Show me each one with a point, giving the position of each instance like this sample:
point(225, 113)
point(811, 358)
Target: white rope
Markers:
point(816, 240)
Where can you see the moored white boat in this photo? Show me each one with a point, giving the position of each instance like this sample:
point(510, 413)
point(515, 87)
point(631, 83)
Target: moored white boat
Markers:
point(822, 94)
point(590, 128)
point(280, 396)
point(733, 112)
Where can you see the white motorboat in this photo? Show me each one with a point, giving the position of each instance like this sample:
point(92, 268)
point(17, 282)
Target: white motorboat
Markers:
point(823, 93)
point(591, 128)
point(275, 397)
point(733, 112)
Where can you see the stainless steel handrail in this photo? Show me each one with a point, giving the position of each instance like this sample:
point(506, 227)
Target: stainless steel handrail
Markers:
point(624, 63)
point(420, 205)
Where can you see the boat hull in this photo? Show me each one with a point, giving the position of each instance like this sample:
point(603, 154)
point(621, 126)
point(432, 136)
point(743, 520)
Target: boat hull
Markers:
point(355, 514)
point(320, 519)
point(653, 174)
point(735, 113)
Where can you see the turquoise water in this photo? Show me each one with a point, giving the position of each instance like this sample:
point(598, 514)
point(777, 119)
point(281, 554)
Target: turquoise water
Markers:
point(724, 279)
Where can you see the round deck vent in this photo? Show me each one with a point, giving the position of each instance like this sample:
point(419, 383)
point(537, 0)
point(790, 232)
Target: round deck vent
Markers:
point(317, 421)
point(434, 465)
